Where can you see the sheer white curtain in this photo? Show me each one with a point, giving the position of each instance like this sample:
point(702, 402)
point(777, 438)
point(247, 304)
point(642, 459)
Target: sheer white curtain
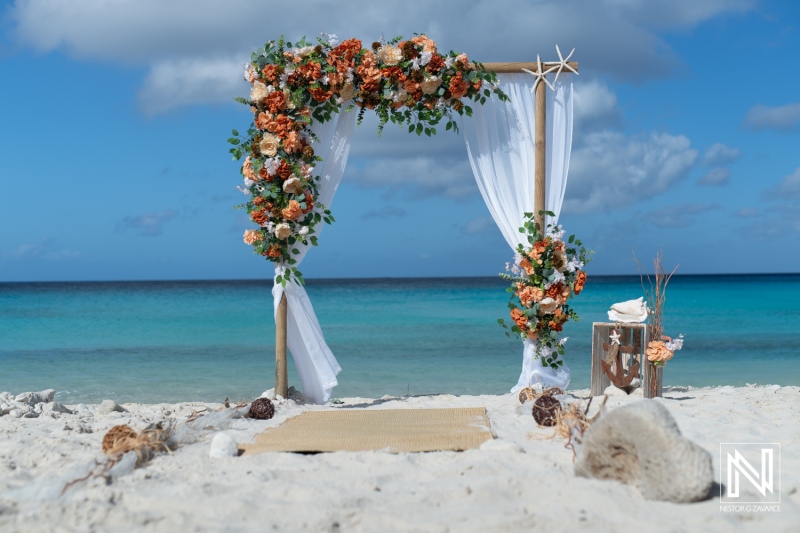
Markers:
point(316, 365)
point(500, 144)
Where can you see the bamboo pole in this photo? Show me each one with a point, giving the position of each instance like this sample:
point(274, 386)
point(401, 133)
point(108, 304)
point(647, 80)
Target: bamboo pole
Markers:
point(281, 376)
point(507, 67)
point(540, 139)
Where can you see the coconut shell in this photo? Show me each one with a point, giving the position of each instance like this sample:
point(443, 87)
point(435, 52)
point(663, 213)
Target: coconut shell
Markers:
point(527, 394)
point(544, 410)
point(552, 391)
point(117, 437)
point(262, 409)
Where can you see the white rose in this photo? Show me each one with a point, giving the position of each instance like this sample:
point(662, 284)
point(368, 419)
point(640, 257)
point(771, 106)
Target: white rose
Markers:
point(547, 306)
point(390, 54)
point(303, 231)
point(283, 230)
point(429, 85)
point(293, 185)
point(248, 182)
point(258, 92)
point(269, 145)
point(304, 52)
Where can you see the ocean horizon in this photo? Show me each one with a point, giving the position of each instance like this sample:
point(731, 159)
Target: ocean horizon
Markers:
point(204, 340)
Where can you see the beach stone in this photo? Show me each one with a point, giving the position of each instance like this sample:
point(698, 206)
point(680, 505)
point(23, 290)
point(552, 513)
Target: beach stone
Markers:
point(54, 407)
point(640, 444)
point(109, 406)
point(6, 397)
point(223, 445)
point(15, 413)
point(32, 398)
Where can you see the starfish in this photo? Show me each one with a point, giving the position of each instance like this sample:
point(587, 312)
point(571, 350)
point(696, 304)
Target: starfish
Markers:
point(614, 337)
point(564, 63)
point(541, 75)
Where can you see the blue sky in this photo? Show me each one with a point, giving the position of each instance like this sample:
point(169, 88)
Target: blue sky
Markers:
point(115, 115)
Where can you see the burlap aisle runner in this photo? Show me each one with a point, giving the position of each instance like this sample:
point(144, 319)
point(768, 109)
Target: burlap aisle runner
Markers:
point(393, 430)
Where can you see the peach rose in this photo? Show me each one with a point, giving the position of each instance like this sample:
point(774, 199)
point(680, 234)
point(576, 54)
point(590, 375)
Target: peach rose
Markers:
point(292, 186)
point(547, 306)
point(283, 230)
point(657, 352)
point(429, 85)
point(390, 54)
point(462, 58)
point(259, 92)
point(251, 236)
point(526, 266)
point(293, 211)
point(269, 145)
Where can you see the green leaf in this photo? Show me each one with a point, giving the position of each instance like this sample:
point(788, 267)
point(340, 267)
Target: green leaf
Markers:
point(235, 133)
point(571, 238)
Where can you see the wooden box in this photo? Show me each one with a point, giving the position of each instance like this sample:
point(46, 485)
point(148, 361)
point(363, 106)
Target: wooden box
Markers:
point(631, 334)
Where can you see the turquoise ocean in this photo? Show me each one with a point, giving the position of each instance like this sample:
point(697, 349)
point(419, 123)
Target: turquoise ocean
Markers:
point(206, 340)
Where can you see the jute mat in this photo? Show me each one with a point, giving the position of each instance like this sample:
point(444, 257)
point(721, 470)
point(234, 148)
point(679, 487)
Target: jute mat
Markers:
point(393, 430)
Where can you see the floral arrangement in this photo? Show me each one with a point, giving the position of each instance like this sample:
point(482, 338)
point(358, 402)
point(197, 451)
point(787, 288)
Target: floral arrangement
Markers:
point(407, 82)
point(662, 349)
point(544, 276)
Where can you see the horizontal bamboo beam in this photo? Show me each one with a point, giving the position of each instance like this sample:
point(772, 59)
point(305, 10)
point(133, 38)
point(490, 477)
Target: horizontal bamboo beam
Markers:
point(510, 68)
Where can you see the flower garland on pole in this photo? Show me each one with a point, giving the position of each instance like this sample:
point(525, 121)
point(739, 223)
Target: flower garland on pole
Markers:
point(545, 275)
point(407, 82)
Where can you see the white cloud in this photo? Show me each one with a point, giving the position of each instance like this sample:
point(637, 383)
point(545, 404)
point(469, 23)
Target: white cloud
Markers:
point(677, 216)
point(45, 248)
point(148, 224)
point(617, 37)
point(787, 189)
point(595, 106)
point(716, 176)
point(718, 155)
point(611, 170)
point(478, 225)
point(783, 118)
point(191, 81)
point(385, 212)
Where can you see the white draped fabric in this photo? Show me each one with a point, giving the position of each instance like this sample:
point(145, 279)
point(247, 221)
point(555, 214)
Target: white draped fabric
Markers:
point(500, 144)
point(315, 363)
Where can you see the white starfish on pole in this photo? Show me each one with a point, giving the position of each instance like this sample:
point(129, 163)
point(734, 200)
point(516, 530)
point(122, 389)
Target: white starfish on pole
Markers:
point(564, 63)
point(541, 75)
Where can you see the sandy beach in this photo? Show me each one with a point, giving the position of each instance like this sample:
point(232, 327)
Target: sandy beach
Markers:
point(521, 480)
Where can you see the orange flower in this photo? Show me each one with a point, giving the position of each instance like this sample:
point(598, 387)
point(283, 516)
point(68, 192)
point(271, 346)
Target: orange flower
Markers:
point(526, 266)
point(458, 86)
point(274, 251)
point(529, 295)
point(284, 170)
point(293, 211)
point(281, 125)
point(309, 201)
point(580, 281)
point(247, 169)
point(264, 174)
point(427, 44)
point(320, 95)
point(519, 318)
point(658, 352)
point(251, 236)
point(276, 101)
point(558, 292)
point(555, 326)
point(539, 247)
point(271, 73)
point(559, 246)
point(435, 64)
point(259, 216)
point(262, 120)
point(293, 142)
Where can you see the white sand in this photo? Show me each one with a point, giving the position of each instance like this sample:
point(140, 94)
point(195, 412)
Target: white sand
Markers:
point(521, 482)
